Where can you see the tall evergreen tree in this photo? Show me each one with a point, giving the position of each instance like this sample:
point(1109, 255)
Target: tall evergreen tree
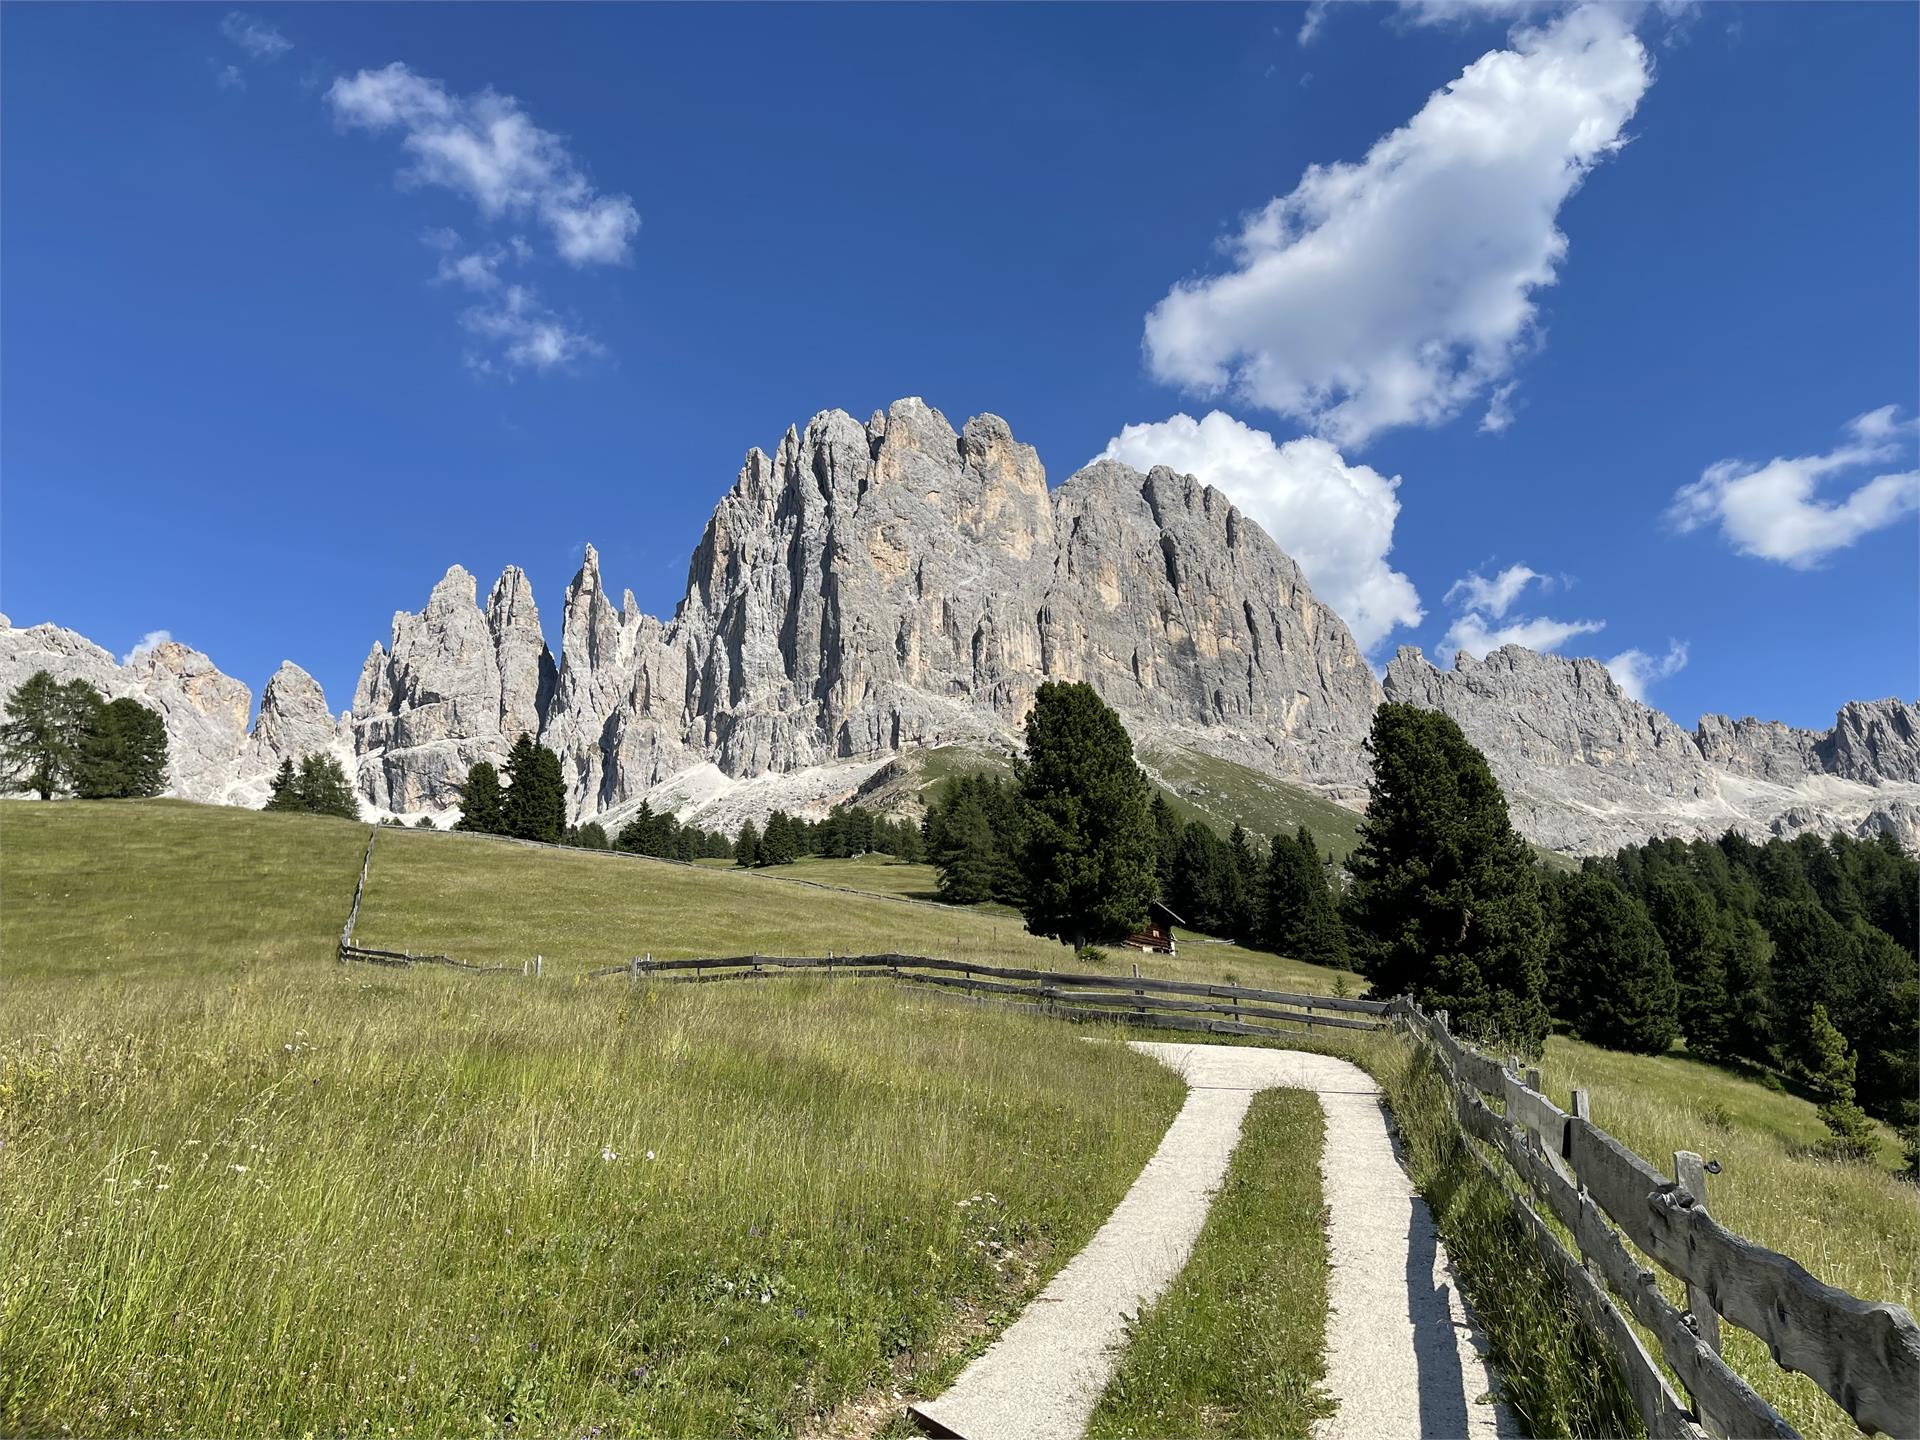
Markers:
point(779, 845)
point(746, 849)
point(482, 803)
point(283, 793)
point(1829, 1066)
point(1695, 942)
point(1300, 917)
point(1618, 987)
point(1244, 922)
point(46, 724)
point(966, 857)
point(1166, 838)
point(1444, 895)
point(535, 807)
point(1088, 840)
point(322, 788)
point(1206, 886)
point(123, 752)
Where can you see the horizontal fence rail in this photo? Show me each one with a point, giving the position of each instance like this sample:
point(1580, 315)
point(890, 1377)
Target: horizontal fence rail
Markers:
point(1864, 1354)
point(1132, 999)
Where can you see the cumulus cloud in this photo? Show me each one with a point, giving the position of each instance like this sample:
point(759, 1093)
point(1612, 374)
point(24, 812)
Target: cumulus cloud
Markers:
point(1776, 512)
point(149, 642)
point(1334, 518)
point(1635, 670)
point(1402, 288)
point(1483, 624)
point(255, 36)
point(527, 335)
point(486, 148)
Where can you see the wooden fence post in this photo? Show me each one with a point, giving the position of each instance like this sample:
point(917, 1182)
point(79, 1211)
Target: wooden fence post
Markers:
point(1691, 1172)
point(537, 965)
point(633, 969)
point(1580, 1108)
point(1441, 1017)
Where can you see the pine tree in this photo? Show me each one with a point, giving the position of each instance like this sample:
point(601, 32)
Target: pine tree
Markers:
point(1206, 893)
point(122, 754)
point(1695, 942)
point(321, 788)
point(746, 849)
point(1829, 1067)
point(283, 793)
point(1619, 987)
point(1166, 834)
point(1445, 898)
point(778, 843)
point(1300, 917)
point(590, 836)
point(535, 807)
point(1244, 921)
point(482, 802)
point(1088, 841)
point(966, 856)
point(46, 724)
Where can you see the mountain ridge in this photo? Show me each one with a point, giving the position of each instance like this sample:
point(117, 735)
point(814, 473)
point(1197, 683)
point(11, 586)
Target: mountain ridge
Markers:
point(873, 589)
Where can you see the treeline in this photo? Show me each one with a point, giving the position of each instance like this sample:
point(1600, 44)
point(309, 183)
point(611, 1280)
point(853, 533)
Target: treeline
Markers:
point(1281, 897)
point(1767, 954)
point(66, 738)
point(848, 830)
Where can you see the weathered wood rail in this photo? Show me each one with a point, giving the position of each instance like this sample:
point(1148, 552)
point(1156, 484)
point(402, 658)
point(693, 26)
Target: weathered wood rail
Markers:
point(1863, 1354)
point(1130, 999)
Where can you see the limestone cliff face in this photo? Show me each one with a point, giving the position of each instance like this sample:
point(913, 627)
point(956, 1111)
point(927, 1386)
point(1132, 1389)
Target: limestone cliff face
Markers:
point(1587, 768)
point(873, 588)
point(454, 685)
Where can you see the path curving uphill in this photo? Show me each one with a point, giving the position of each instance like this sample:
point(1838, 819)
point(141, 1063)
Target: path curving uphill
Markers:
point(1402, 1358)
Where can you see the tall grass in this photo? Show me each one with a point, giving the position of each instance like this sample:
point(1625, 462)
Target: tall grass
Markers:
point(248, 1190)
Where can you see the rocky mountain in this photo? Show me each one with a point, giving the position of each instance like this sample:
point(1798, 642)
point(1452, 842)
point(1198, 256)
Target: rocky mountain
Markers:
point(211, 754)
point(895, 587)
point(1588, 768)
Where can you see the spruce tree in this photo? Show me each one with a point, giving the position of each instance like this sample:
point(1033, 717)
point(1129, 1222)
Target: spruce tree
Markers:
point(746, 849)
point(590, 836)
point(1087, 837)
point(1166, 837)
point(122, 754)
point(1445, 898)
point(535, 807)
point(1244, 922)
point(481, 801)
point(322, 788)
point(1300, 917)
point(1829, 1067)
point(1619, 988)
point(283, 793)
point(966, 857)
point(1690, 928)
point(1206, 886)
point(40, 743)
point(778, 843)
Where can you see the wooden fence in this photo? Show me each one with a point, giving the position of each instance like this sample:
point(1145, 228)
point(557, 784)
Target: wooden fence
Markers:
point(1131, 999)
point(1865, 1355)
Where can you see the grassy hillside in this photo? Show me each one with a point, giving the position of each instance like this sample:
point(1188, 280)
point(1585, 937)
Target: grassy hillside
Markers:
point(1205, 787)
point(500, 903)
point(442, 1204)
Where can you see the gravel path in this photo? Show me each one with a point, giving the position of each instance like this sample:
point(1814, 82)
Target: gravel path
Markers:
point(1402, 1358)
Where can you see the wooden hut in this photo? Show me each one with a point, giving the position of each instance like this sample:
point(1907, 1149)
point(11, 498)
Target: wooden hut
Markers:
point(1156, 936)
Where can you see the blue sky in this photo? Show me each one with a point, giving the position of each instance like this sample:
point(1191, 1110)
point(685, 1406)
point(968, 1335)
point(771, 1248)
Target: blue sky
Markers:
point(304, 304)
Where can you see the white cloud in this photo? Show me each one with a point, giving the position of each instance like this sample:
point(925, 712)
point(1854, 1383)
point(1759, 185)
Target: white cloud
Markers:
point(1494, 596)
point(1482, 625)
point(528, 334)
point(485, 147)
point(1399, 289)
point(228, 77)
point(1473, 634)
point(1774, 511)
point(149, 642)
point(255, 36)
point(479, 270)
point(1635, 670)
point(1335, 519)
